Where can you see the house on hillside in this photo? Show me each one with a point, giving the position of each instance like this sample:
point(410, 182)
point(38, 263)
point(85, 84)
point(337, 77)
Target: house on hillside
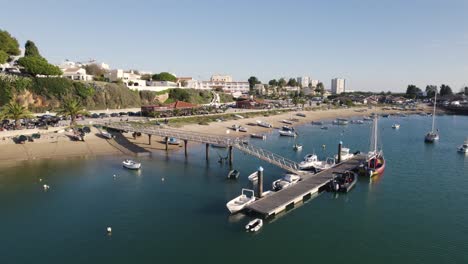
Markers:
point(76, 74)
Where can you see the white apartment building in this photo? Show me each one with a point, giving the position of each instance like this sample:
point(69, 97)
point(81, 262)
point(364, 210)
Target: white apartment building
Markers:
point(338, 85)
point(128, 78)
point(314, 82)
point(221, 78)
point(303, 81)
point(227, 87)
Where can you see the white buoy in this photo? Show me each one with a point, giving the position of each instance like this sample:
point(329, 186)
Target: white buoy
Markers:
point(109, 229)
point(162, 179)
point(115, 176)
point(46, 187)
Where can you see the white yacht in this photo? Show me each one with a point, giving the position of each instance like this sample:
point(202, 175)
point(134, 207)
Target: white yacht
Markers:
point(285, 182)
point(433, 135)
point(396, 126)
point(311, 162)
point(264, 124)
point(345, 155)
point(241, 201)
point(130, 164)
point(253, 177)
point(463, 148)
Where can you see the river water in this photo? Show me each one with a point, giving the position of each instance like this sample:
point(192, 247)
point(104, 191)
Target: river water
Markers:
point(173, 211)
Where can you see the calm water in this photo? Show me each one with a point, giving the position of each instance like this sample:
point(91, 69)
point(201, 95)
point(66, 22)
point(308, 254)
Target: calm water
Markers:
point(174, 210)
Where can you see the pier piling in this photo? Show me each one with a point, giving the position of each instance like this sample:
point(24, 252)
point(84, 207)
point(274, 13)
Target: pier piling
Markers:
point(185, 147)
point(207, 151)
point(167, 143)
point(260, 182)
point(149, 139)
point(230, 155)
point(340, 145)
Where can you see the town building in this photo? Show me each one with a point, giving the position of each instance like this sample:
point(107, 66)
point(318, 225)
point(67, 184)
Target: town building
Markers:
point(76, 74)
point(129, 78)
point(221, 78)
point(338, 86)
point(314, 83)
point(303, 81)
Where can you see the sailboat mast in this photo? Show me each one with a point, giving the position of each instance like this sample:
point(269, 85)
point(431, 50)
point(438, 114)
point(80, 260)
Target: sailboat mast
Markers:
point(375, 134)
point(433, 114)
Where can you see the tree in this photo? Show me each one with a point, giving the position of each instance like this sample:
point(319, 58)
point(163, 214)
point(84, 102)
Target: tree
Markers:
point(184, 83)
point(253, 81)
point(164, 76)
point(281, 82)
point(292, 82)
point(178, 94)
point(9, 46)
point(38, 66)
point(273, 82)
point(30, 49)
point(445, 90)
point(320, 88)
point(15, 111)
point(71, 108)
point(412, 91)
point(94, 69)
point(431, 90)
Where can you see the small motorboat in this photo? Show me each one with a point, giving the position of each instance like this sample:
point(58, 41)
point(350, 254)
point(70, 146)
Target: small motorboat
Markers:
point(287, 133)
point(233, 174)
point(318, 123)
point(396, 126)
point(367, 119)
point(343, 182)
point(385, 115)
point(253, 177)
point(297, 147)
point(463, 148)
point(173, 141)
point(106, 135)
point(254, 225)
point(311, 162)
point(289, 122)
point(264, 124)
point(285, 182)
point(359, 122)
point(260, 136)
point(131, 165)
point(301, 114)
point(242, 129)
point(345, 155)
point(238, 203)
point(239, 116)
point(341, 121)
point(287, 128)
point(324, 128)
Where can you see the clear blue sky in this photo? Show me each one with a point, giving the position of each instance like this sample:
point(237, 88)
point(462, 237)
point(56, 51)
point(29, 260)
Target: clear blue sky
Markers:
point(375, 45)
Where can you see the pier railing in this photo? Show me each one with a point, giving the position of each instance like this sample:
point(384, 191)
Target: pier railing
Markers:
point(267, 156)
point(235, 142)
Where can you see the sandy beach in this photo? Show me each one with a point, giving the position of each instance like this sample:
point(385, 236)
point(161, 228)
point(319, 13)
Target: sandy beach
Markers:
point(58, 145)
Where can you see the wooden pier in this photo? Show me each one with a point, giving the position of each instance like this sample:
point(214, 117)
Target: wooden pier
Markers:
point(310, 184)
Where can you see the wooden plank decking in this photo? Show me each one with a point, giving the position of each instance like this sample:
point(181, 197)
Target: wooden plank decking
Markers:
point(310, 184)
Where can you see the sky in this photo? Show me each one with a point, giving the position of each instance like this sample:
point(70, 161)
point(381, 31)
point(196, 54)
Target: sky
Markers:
point(375, 45)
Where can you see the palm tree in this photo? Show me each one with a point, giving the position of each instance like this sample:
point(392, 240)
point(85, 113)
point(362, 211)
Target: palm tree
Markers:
point(15, 111)
point(72, 108)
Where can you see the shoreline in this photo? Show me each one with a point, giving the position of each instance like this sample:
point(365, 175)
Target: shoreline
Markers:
point(58, 146)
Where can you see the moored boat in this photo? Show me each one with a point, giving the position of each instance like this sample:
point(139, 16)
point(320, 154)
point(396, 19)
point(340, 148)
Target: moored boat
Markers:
point(297, 147)
point(254, 225)
point(463, 148)
point(253, 177)
point(345, 154)
point(264, 124)
point(341, 121)
point(311, 162)
point(173, 141)
point(285, 182)
point(289, 122)
point(375, 159)
point(233, 174)
point(396, 126)
point(433, 135)
point(260, 136)
point(287, 133)
point(343, 182)
point(318, 123)
point(301, 114)
point(241, 201)
point(324, 128)
point(359, 122)
point(131, 165)
point(106, 135)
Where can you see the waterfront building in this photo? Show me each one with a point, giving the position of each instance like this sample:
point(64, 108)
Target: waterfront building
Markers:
point(221, 78)
point(338, 86)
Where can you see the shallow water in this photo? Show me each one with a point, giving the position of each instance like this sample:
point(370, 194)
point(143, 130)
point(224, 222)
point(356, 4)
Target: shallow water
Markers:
point(174, 209)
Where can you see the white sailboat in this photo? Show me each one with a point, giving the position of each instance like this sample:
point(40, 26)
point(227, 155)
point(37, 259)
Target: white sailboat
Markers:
point(432, 136)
